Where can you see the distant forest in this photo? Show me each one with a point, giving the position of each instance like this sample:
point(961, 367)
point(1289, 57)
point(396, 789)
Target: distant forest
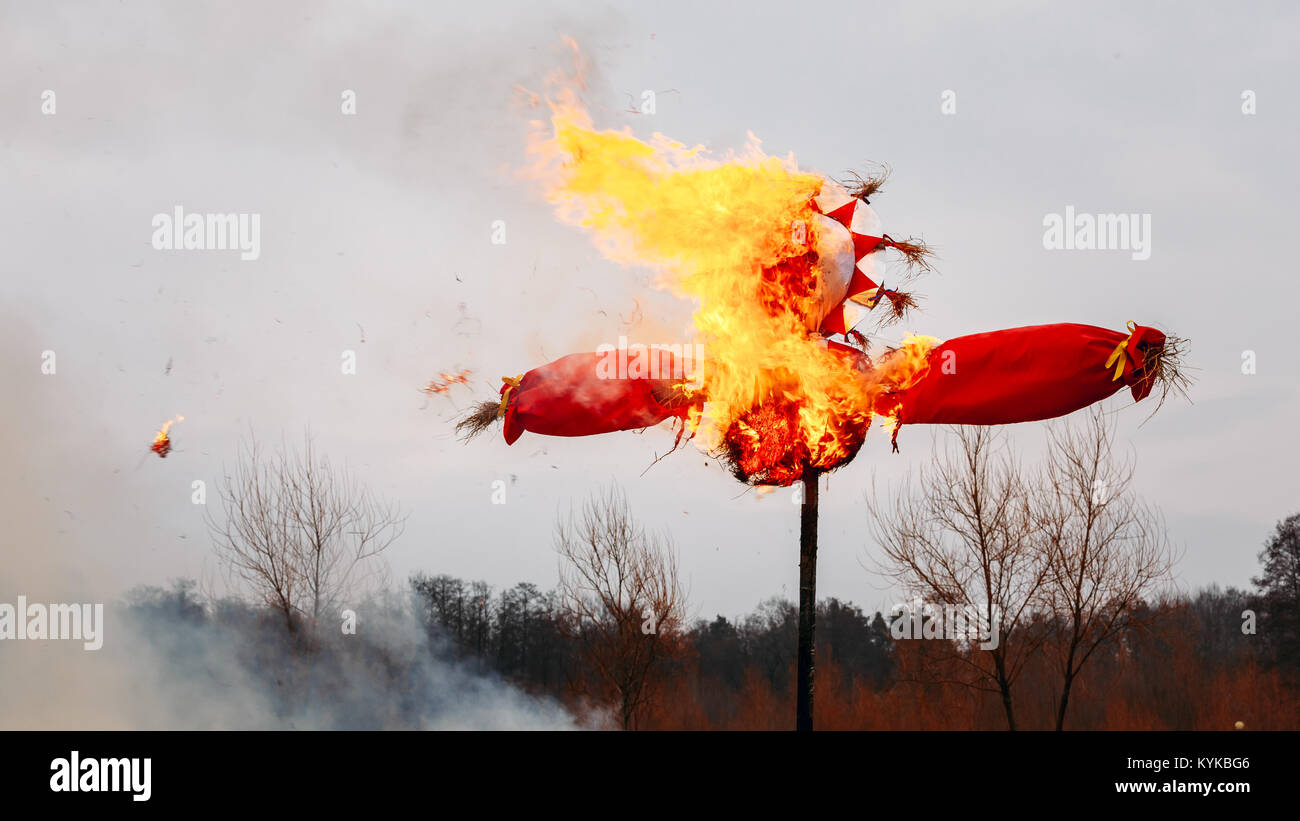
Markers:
point(1187, 666)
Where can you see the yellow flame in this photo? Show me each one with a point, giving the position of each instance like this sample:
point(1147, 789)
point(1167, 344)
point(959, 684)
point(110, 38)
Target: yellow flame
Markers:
point(162, 432)
point(899, 370)
point(735, 234)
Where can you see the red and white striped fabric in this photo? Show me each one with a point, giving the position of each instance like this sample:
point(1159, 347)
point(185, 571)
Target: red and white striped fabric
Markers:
point(849, 231)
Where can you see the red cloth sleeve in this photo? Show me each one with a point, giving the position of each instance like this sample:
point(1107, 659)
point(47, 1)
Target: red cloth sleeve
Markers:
point(569, 397)
point(1024, 374)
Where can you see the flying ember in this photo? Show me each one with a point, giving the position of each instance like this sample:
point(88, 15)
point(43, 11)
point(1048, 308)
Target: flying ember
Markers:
point(162, 443)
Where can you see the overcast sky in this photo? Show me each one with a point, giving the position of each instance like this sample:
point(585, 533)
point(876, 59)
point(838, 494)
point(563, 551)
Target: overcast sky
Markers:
point(381, 223)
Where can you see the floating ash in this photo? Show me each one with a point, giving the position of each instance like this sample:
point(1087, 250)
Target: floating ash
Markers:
point(444, 382)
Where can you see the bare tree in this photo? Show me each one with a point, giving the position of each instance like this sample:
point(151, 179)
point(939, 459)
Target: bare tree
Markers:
point(961, 537)
point(1106, 550)
point(620, 594)
point(298, 533)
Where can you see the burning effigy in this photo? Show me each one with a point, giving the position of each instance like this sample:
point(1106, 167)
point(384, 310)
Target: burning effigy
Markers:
point(784, 264)
point(162, 441)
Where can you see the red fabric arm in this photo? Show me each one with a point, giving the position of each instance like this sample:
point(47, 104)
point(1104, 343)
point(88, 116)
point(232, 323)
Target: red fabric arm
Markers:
point(1025, 374)
point(569, 397)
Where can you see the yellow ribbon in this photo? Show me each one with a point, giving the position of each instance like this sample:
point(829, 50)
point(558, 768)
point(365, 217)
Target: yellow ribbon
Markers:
point(1117, 355)
point(511, 384)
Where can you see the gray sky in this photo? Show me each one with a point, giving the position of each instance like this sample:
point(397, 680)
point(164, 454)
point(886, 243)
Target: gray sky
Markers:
point(371, 219)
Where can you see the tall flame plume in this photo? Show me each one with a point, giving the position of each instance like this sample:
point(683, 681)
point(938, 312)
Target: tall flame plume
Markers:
point(736, 236)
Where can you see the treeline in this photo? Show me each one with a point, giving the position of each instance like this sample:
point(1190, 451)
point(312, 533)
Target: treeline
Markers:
point(1184, 663)
point(524, 634)
point(518, 632)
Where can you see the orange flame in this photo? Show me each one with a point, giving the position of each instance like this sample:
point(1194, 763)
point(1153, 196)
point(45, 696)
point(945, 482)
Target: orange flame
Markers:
point(162, 443)
point(737, 236)
point(901, 368)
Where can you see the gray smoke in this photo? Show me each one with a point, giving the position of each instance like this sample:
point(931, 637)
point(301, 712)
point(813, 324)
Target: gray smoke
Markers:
point(173, 660)
point(158, 106)
point(169, 662)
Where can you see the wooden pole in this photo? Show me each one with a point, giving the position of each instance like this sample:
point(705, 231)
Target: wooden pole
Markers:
point(805, 661)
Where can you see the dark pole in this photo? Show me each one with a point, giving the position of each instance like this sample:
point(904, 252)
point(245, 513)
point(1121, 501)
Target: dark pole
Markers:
point(807, 602)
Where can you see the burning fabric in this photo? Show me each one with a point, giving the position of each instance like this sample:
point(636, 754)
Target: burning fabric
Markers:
point(779, 260)
point(162, 443)
point(572, 397)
